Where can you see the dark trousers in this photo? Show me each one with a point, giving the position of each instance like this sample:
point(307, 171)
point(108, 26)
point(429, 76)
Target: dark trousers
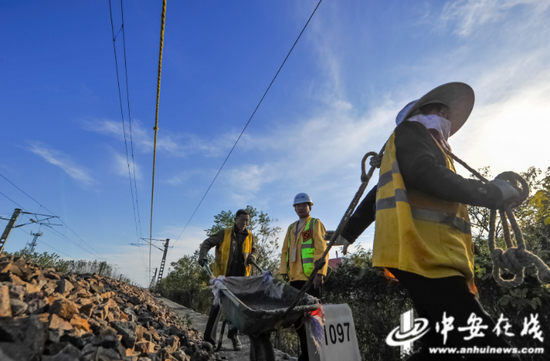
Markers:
point(432, 297)
point(301, 328)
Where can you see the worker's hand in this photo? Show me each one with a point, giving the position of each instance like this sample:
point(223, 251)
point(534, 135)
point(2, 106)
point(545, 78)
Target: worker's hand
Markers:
point(514, 188)
point(320, 263)
point(250, 259)
point(510, 194)
point(318, 280)
point(342, 241)
point(203, 262)
point(285, 277)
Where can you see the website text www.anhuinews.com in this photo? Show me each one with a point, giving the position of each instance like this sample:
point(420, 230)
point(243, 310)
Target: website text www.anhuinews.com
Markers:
point(486, 350)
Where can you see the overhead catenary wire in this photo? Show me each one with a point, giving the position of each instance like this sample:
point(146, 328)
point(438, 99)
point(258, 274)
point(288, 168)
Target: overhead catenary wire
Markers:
point(134, 200)
point(249, 120)
point(132, 171)
point(46, 244)
point(50, 229)
point(97, 254)
point(161, 46)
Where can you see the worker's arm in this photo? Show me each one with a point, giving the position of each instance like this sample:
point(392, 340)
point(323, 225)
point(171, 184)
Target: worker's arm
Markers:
point(422, 165)
point(362, 218)
point(212, 241)
point(284, 252)
point(254, 252)
point(320, 245)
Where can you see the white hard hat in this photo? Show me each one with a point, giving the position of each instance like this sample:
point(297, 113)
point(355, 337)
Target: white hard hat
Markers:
point(302, 198)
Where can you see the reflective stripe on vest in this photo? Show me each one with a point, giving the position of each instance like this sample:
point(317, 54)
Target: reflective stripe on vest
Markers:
point(222, 253)
point(307, 247)
point(418, 232)
point(400, 195)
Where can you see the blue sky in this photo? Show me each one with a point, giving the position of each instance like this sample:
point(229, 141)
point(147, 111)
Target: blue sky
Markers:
point(357, 64)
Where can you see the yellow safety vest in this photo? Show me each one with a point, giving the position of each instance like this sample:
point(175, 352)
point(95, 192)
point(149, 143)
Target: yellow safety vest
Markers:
point(307, 247)
point(416, 232)
point(222, 253)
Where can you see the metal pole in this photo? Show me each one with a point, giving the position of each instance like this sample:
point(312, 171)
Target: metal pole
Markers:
point(8, 229)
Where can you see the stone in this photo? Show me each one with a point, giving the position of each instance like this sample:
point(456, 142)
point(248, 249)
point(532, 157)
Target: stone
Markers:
point(5, 308)
point(108, 295)
point(18, 308)
point(57, 322)
point(17, 292)
point(181, 356)
point(64, 286)
point(95, 288)
point(128, 332)
point(87, 309)
point(52, 275)
point(68, 353)
point(145, 347)
point(43, 317)
point(22, 338)
point(80, 323)
point(38, 306)
point(86, 301)
point(10, 267)
point(16, 280)
point(172, 344)
point(64, 309)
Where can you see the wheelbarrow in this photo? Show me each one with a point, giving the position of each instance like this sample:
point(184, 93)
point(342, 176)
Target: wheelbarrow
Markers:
point(255, 305)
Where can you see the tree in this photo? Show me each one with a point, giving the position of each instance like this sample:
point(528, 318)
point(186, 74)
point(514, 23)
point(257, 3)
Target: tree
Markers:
point(264, 233)
point(187, 284)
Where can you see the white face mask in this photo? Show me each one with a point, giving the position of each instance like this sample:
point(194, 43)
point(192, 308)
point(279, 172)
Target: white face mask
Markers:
point(432, 121)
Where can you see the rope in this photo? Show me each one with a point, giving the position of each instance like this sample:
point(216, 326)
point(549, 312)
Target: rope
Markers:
point(163, 18)
point(515, 258)
point(376, 160)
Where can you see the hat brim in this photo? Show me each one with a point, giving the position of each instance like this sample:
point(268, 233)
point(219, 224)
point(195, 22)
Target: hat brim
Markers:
point(458, 97)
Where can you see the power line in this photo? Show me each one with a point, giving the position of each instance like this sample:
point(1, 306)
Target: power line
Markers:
point(55, 249)
point(58, 234)
point(249, 120)
point(132, 171)
point(122, 113)
point(65, 224)
point(129, 114)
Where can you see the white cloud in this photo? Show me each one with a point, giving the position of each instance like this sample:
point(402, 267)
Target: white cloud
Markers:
point(64, 162)
point(120, 166)
point(471, 15)
point(179, 145)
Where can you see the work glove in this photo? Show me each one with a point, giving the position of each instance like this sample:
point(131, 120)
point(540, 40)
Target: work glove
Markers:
point(203, 262)
point(250, 259)
point(511, 194)
point(342, 241)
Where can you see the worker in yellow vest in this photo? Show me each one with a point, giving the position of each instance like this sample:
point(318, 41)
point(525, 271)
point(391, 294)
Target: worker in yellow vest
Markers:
point(235, 250)
point(304, 244)
point(422, 234)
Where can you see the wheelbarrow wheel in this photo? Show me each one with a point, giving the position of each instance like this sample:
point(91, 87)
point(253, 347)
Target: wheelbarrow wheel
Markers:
point(261, 348)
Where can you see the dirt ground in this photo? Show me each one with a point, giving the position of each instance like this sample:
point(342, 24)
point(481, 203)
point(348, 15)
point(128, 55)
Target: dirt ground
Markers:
point(199, 320)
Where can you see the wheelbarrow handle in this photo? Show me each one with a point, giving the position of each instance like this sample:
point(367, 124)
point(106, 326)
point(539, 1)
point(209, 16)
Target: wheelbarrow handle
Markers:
point(253, 261)
point(208, 270)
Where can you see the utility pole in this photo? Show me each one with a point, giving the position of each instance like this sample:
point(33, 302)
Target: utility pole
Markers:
point(153, 280)
point(11, 225)
point(32, 245)
point(163, 262)
point(8, 229)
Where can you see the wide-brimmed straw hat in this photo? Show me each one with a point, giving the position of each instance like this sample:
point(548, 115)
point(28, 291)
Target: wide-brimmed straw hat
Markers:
point(458, 97)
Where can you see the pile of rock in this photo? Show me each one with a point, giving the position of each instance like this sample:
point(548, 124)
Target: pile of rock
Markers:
point(49, 316)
